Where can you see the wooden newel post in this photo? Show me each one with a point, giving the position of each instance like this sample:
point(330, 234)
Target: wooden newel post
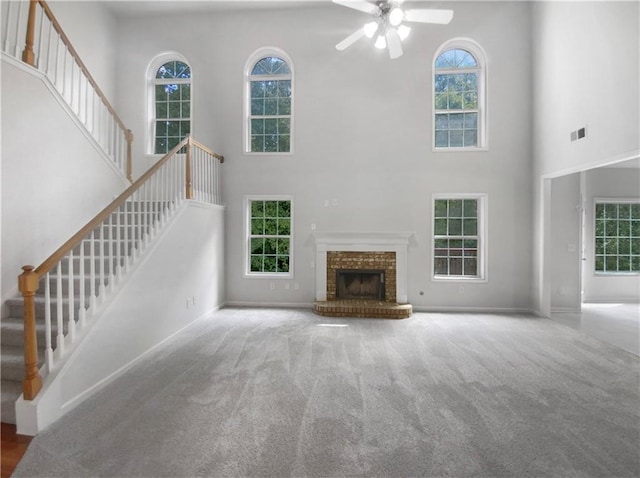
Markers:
point(129, 165)
point(189, 186)
point(28, 284)
point(28, 56)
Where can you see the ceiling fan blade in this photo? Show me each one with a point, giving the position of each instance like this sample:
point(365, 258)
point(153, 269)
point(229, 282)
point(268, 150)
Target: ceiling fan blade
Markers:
point(394, 44)
point(360, 5)
point(428, 15)
point(350, 40)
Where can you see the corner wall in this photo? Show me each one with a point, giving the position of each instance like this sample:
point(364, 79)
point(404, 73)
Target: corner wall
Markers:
point(586, 63)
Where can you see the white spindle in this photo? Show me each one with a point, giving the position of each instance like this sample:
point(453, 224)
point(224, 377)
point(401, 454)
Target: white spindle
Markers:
point(82, 311)
point(72, 301)
point(59, 311)
point(119, 246)
point(48, 348)
point(92, 271)
point(127, 250)
point(102, 288)
point(40, 40)
point(17, 41)
point(111, 255)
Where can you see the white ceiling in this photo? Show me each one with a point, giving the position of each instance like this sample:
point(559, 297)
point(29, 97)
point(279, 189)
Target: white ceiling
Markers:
point(153, 7)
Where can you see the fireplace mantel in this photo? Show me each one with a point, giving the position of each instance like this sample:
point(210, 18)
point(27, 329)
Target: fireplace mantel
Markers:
point(397, 242)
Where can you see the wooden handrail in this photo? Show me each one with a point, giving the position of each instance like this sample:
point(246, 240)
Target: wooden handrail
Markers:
point(28, 56)
point(29, 280)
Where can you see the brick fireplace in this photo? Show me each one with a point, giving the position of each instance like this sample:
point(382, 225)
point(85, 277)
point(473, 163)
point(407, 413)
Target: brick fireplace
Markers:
point(384, 252)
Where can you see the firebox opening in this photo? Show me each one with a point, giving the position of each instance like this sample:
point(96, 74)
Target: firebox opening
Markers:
point(360, 284)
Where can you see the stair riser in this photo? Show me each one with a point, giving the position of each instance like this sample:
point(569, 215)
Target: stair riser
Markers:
point(15, 372)
point(87, 265)
point(15, 337)
point(125, 248)
point(53, 285)
point(16, 309)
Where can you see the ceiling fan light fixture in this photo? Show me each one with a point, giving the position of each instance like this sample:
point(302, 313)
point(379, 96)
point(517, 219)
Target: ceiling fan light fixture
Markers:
point(403, 31)
point(381, 42)
point(395, 16)
point(370, 29)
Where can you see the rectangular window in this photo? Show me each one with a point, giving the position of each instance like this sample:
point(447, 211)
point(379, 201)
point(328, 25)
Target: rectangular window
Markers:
point(457, 237)
point(269, 236)
point(456, 110)
point(617, 237)
point(270, 117)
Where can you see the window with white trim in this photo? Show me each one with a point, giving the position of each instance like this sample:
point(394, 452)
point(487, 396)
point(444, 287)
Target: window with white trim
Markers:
point(170, 112)
point(459, 96)
point(269, 236)
point(269, 103)
point(617, 236)
point(458, 237)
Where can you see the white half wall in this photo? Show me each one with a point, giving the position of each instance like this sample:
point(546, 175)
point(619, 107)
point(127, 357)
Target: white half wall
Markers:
point(180, 279)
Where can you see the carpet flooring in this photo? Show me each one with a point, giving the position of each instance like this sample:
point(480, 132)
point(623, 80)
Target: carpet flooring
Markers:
point(269, 392)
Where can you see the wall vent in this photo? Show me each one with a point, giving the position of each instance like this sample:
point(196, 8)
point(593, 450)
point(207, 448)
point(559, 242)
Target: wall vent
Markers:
point(579, 134)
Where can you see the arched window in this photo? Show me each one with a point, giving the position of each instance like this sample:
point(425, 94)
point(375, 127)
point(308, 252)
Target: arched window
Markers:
point(459, 96)
point(269, 103)
point(170, 103)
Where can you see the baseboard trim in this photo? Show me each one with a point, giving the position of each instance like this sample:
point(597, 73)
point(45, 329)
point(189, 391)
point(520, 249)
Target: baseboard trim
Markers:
point(268, 305)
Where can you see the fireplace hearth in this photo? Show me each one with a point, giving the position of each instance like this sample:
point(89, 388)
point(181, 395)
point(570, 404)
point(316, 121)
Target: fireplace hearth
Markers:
point(378, 288)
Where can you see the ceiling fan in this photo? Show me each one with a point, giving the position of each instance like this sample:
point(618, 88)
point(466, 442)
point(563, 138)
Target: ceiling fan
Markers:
point(387, 25)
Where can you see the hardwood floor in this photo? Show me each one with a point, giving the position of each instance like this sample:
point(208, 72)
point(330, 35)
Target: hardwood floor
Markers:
point(13, 447)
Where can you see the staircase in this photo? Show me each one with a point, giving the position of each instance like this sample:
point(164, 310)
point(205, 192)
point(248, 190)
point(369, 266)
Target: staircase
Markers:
point(141, 228)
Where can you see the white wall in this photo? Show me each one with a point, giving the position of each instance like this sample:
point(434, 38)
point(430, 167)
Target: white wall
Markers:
point(608, 183)
point(587, 61)
point(586, 58)
point(91, 28)
point(362, 136)
point(53, 179)
point(565, 243)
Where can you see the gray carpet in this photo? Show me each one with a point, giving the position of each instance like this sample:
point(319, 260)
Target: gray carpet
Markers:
point(265, 392)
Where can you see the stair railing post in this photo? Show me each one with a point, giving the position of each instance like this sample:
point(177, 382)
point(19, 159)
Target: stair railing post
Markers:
point(189, 185)
point(28, 56)
point(129, 165)
point(28, 284)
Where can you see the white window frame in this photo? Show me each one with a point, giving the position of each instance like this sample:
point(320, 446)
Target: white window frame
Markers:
point(478, 53)
point(596, 201)
point(152, 69)
point(247, 200)
point(254, 58)
point(483, 201)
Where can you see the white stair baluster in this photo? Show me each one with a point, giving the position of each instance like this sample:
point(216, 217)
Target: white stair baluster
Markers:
point(72, 301)
point(48, 348)
point(82, 310)
point(92, 271)
point(59, 311)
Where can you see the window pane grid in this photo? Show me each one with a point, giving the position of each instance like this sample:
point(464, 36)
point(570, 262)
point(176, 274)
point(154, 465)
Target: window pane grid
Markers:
point(456, 238)
point(172, 105)
point(270, 236)
point(456, 101)
point(617, 237)
point(270, 111)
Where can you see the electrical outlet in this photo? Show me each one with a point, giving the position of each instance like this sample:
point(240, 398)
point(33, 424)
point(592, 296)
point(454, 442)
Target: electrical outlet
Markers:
point(313, 227)
point(272, 285)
